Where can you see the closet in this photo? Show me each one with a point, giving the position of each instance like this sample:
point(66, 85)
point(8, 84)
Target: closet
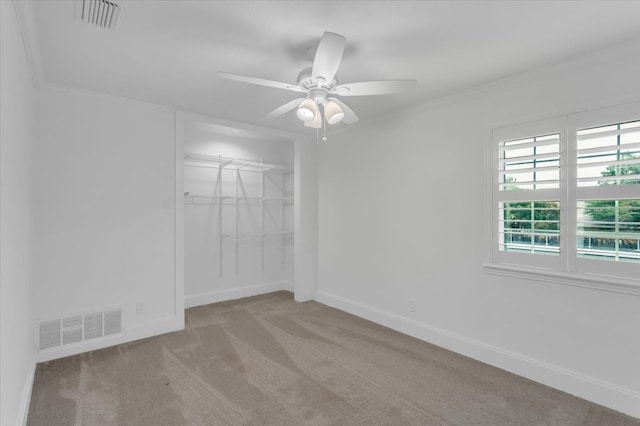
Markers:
point(238, 213)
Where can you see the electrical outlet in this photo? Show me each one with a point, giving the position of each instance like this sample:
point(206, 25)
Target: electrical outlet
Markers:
point(412, 305)
point(140, 308)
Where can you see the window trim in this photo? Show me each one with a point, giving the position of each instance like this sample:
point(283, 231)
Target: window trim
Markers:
point(575, 279)
point(569, 268)
point(540, 127)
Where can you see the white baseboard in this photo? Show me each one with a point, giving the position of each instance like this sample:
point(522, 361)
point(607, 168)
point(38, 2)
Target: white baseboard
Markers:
point(233, 293)
point(25, 400)
point(618, 398)
point(288, 285)
point(133, 332)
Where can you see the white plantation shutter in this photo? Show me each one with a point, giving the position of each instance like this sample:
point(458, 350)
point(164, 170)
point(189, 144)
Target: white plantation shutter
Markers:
point(566, 198)
point(530, 163)
point(608, 230)
point(613, 147)
point(527, 187)
point(606, 189)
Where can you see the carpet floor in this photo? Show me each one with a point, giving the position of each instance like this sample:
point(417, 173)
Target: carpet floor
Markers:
point(267, 360)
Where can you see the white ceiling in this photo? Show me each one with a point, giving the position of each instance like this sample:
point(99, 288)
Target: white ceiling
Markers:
point(167, 52)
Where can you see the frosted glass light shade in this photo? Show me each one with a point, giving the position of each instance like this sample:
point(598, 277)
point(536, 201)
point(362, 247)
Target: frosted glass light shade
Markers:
point(307, 110)
point(316, 123)
point(333, 113)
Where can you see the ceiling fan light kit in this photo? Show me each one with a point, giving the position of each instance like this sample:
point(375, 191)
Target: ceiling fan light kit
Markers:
point(316, 123)
point(333, 113)
point(319, 82)
point(307, 110)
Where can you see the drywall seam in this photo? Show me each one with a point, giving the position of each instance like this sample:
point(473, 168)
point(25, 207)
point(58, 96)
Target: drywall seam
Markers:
point(592, 389)
point(234, 293)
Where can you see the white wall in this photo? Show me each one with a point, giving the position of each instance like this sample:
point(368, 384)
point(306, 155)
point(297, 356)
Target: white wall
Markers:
point(306, 220)
point(17, 139)
point(105, 178)
point(401, 217)
point(204, 282)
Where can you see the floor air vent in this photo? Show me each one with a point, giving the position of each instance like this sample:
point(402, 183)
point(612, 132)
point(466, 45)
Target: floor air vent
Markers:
point(79, 328)
point(49, 334)
point(72, 330)
point(101, 13)
point(112, 322)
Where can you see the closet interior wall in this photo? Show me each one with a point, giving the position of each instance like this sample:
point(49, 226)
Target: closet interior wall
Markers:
point(238, 212)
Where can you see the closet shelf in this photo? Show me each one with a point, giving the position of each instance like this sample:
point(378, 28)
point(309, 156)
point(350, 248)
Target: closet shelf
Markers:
point(200, 160)
point(257, 235)
point(270, 203)
point(206, 199)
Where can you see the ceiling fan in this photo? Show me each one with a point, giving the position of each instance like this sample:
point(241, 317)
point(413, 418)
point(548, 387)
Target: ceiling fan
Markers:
point(320, 87)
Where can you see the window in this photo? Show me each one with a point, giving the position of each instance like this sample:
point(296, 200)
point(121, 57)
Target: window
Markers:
point(530, 227)
point(566, 197)
point(607, 156)
point(609, 230)
point(526, 166)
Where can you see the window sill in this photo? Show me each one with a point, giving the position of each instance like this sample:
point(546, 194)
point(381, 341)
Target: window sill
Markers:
point(592, 281)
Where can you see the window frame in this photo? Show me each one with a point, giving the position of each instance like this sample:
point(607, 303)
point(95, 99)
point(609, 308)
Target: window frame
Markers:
point(567, 267)
point(523, 131)
point(589, 119)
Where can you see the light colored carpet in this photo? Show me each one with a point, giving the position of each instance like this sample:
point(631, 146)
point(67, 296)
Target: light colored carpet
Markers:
point(267, 360)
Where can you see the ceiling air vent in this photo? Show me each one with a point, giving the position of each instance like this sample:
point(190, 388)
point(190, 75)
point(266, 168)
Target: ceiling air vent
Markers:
point(101, 13)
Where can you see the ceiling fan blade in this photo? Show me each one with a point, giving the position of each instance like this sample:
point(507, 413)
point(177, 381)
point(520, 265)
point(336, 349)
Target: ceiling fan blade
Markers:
point(328, 56)
point(350, 117)
point(366, 88)
point(283, 109)
point(261, 82)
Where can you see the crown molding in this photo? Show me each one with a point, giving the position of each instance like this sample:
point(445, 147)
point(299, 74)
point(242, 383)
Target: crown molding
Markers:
point(48, 86)
point(268, 131)
point(565, 66)
point(180, 114)
point(27, 24)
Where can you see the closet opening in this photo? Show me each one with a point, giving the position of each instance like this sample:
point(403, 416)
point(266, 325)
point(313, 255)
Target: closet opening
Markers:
point(236, 186)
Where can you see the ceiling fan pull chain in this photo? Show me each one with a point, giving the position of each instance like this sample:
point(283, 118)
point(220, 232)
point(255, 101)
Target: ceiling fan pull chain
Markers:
point(324, 127)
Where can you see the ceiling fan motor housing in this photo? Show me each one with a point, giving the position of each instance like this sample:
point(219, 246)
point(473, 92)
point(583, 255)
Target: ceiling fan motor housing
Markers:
point(306, 80)
point(318, 95)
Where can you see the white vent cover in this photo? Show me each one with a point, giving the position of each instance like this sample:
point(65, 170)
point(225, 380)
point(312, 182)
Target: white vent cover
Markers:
point(101, 13)
point(78, 328)
point(112, 322)
point(71, 330)
point(93, 325)
point(49, 334)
